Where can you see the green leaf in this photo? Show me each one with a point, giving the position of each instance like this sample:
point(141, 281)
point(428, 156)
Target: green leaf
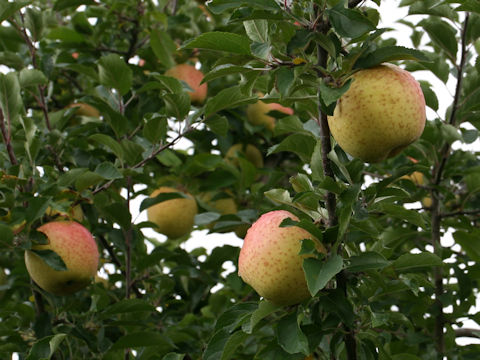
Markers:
point(430, 96)
point(304, 224)
point(224, 70)
point(220, 41)
point(285, 78)
point(160, 198)
point(416, 262)
point(398, 211)
point(222, 345)
point(173, 356)
point(143, 339)
point(31, 77)
point(257, 30)
point(177, 105)
point(126, 306)
point(389, 53)
point(108, 171)
point(442, 34)
point(163, 47)
point(65, 4)
point(10, 98)
point(235, 316)
point(218, 125)
point(370, 260)
point(349, 23)
point(7, 8)
point(87, 179)
point(330, 95)
point(219, 6)
point(155, 129)
point(318, 273)
point(228, 98)
point(65, 35)
point(265, 308)
point(110, 143)
point(300, 144)
point(290, 336)
point(36, 208)
point(51, 258)
point(44, 348)
point(280, 196)
point(113, 72)
point(7, 234)
point(469, 241)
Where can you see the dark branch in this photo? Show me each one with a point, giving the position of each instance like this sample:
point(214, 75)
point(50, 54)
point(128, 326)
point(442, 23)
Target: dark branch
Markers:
point(353, 3)
point(7, 139)
point(464, 332)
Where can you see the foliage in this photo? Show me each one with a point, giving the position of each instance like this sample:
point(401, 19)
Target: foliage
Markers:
point(387, 283)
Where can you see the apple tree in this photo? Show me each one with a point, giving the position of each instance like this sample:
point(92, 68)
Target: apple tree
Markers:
point(93, 120)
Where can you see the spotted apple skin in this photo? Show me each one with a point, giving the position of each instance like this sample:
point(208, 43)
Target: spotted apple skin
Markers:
point(269, 260)
point(257, 113)
point(381, 114)
point(78, 250)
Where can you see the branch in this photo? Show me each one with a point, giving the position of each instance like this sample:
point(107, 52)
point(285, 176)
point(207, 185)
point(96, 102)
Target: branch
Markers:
point(460, 213)
point(436, 216)
point(465, 332)
point(330, 200)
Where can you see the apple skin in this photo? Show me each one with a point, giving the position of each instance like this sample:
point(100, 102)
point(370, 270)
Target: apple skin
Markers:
point(382, 113)
point(84, 109)
point(249, 151)
point(269, 261)
point(174, 218)
point(257, 113)
point(74, 213)
point(193, 78)
point(78, 250)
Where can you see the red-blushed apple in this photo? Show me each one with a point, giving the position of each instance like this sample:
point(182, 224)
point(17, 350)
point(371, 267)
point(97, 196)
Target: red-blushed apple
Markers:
point(175, 217)
point(78, 250)
point(193, 78)
point(382, 113)
point(257, 113)
point(269, 260)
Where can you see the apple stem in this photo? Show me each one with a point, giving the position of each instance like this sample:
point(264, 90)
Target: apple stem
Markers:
point(436, 216)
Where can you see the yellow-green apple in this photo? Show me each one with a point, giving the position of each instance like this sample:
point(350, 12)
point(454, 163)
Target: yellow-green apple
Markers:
point(78, 250)
point(248, 151)
point(175, 217)
point(257, 113)
point(269, 260)
point(193, 78)
point(83, 109)
point(382, 113)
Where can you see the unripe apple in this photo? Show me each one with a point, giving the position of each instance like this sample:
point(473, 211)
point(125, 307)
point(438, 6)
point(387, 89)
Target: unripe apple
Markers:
point(83, 109)
point(174, 218)
point(224, 205)
point(257, 113)
point(193, 78)
point(78, 250)
point(270, 262)
point(416, 177)
point(382, 113)
point(249, 151)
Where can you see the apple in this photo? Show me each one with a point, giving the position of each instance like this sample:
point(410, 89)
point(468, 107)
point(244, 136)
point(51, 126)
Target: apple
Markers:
point(193, 78)
point(382, 113)
point(78, 250)
point(249, 151)
point(257, 113)
point(84, 109)
point(174, 218)
point(269, 260)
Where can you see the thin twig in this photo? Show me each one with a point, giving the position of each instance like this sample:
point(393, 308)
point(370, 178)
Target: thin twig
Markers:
point(465, 332)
